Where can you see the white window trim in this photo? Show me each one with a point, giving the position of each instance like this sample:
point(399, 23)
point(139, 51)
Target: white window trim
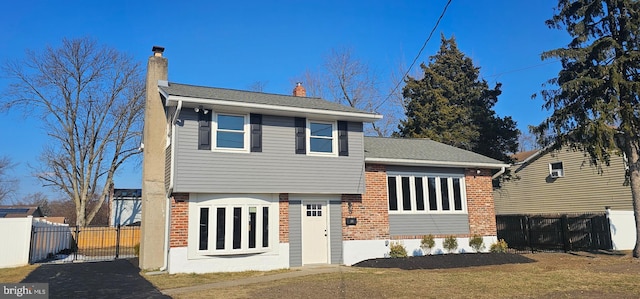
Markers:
point(334, 138)
point(214, 132)
point(425, 192)
point(244, 227)
point(229, 201)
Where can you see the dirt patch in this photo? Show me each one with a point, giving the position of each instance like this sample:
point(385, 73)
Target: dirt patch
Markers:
point(446, 261)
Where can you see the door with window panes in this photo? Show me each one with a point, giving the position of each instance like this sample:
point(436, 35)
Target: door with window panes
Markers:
point(314, 233)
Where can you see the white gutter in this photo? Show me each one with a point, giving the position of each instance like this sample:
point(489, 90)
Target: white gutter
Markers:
point(175, 116)
point(502, 170)
point(410, 162)
point(360, 116)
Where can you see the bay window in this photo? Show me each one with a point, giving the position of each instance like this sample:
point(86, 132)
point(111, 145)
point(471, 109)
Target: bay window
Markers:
point(233, 228)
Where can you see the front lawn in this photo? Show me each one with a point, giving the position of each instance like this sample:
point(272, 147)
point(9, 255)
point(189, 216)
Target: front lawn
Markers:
point(581, 275)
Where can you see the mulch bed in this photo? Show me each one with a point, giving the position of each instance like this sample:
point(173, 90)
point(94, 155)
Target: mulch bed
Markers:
point(446, 261)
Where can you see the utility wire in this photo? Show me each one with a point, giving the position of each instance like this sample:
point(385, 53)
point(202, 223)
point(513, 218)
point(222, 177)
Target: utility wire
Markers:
point(521, 69)
point(417, 56)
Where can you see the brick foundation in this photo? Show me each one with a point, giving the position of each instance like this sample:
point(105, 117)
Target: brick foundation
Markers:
point(370, 209)
point(480, 204)
point(178, 236)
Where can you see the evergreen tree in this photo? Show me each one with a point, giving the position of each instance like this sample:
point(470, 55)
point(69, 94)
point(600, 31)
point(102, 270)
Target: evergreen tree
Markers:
point(596, 97)
point(450, 104)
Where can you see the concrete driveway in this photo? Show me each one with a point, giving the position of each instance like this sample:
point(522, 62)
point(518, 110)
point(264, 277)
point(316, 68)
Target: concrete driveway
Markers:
point(111, 279)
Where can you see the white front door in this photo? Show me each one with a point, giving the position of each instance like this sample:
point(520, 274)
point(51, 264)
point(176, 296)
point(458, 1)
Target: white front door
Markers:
point(314, 233)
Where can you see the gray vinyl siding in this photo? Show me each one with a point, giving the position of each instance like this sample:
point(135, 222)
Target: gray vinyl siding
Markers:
point(581, 190)
point(335, 227)
point(167, 168)
point(277, 169)
point(424, 224)
point(295, 233)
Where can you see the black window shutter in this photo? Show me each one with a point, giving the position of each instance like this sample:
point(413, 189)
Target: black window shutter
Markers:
point(301, 142)
point(343, 141)
point(204, 130)
point(256, 132)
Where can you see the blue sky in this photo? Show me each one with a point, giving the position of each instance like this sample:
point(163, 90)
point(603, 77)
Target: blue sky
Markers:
point(232, 44)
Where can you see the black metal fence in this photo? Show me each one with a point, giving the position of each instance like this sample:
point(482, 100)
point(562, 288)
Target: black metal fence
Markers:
point(75, 243)
point(566, 232)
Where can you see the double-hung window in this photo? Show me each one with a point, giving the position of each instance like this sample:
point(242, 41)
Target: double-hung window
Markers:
point(233, 229)
point(231, 132)
point(321, 138)
point(426, 194)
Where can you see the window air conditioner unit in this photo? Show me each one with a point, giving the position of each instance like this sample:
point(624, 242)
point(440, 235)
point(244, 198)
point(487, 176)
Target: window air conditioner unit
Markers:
point(556, 173)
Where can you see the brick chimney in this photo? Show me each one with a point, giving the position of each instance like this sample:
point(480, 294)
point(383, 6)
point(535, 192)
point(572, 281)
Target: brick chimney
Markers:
point(299, 91)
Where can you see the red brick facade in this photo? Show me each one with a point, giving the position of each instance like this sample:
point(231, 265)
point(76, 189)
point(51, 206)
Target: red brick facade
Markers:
point(178, 236)
point(370, 209)
point(480, 204)
point(284, 217)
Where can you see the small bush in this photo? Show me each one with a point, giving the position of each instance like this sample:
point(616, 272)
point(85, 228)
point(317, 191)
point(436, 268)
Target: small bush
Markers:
point(450, 244)
point(477, 243)
point(396, 249)
point(499, 247)
point(427, 244)
point(136, 249)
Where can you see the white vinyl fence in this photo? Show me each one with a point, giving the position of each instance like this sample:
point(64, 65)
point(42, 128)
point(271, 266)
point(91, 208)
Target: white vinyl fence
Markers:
point(48, 239)
point(20, 234)
point(15, 234)
point(623, 229)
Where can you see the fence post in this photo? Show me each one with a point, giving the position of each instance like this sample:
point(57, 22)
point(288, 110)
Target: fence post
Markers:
point(566, 238)
point(31, 244)
point(75, 252)
point(528, 231)
point(117, 241)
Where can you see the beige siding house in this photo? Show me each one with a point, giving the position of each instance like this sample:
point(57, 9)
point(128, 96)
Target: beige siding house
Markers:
point(563, 181)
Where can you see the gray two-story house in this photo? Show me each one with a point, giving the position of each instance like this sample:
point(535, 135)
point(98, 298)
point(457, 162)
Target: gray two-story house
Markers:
point(257, 181)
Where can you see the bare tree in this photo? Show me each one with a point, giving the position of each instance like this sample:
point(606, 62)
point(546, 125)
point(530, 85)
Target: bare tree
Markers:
point(90, 100)
point(527, 142)
point(347, 80)
point(7, 184)
point(37, 199)
point(258, 86)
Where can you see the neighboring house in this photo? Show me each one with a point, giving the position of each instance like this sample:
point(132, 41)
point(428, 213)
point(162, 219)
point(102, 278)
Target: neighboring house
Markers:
point(256, 181)
point(125, 207)
point(565, 182)
point(20, 211)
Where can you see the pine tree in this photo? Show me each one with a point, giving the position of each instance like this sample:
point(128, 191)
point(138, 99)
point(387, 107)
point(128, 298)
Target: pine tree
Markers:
point(450, 104)
point(596, 97)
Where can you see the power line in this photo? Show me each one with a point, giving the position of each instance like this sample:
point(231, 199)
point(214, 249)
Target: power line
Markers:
point(417, 56)
point(521, 69)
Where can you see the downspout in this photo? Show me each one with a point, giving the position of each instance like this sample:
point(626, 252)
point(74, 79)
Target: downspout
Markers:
point(167, 219)
point(499, 173)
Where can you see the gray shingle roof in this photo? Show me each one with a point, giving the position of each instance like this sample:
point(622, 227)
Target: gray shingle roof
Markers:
point(242, 96)
point(421, 150)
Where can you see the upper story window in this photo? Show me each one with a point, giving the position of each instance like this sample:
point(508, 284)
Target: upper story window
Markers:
point(426, 194)
point(321, 137)
point(556, 170)
point(231, 132)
